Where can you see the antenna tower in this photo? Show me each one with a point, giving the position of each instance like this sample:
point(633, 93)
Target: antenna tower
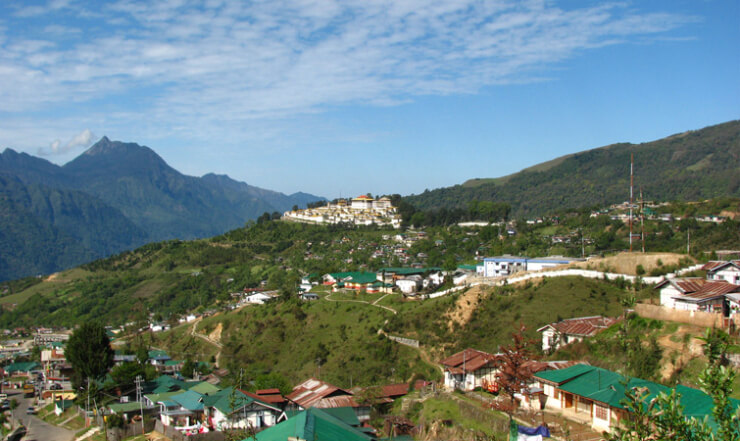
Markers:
point(632, 162)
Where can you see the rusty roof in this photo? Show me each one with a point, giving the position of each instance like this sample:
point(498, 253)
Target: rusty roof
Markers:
point(395, 390)
point(711, 290)
point(539, 366)
point(685, 285)
point(715, 265)
point(469, 360)
point(585, 326)
point(317, 393)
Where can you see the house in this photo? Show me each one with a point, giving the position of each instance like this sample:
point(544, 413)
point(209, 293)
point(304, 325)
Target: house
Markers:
point(271, 396)
point(130, 409)
point(180, 409)
point(259, 298)
point(309, 296)
point(316, 424)
point(596, 395)
point(409, 284)
point(728, 271)
point(696, 294)
point(25, 368)
point(469, 369)
point(558, 334)
point(232, 408)
point(317, 393)
point(503, 265)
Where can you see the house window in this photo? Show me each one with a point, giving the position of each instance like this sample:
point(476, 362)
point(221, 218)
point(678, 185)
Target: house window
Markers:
point(601, 412)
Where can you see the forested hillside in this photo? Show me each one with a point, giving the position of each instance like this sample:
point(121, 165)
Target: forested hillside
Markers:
point(689, 166)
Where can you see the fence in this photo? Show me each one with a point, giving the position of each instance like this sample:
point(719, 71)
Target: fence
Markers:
point(176, 435)
point(404, 341)
point(129, 430)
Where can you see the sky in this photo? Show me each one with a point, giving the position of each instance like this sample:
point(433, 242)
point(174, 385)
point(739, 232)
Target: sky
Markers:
point(341, 98)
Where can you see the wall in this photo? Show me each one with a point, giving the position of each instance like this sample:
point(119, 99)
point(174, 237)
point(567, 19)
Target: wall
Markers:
point(698, 318)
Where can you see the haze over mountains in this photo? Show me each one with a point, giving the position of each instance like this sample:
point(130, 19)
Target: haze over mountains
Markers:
point(693, 165)
point(114, 196)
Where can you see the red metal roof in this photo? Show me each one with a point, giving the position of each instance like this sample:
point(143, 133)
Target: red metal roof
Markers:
point(316, 393)
point(585, 326)
point(395, 390)
point(712, 289)
point(469, 360)
point(714, 265)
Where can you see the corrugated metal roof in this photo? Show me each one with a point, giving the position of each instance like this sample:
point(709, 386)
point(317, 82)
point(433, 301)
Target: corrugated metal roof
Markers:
point(470, 360)
point(710, 290)
point(313, 425)
point(561, 376)
point(583, 326)
point(316, 393)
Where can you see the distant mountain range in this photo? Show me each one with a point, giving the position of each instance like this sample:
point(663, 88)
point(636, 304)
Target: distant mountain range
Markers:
point(693, 165)
point(115, 196)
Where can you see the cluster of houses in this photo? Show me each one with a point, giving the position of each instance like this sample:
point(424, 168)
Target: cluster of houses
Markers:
point(407, 280)
point(192, 407)
point(584, 393)
point(362, 210)
point(718, 293)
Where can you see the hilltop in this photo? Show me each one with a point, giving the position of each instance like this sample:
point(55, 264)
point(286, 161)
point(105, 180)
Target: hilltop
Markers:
point(693, 165)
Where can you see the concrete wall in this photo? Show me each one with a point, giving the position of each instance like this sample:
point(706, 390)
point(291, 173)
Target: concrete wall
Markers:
point(699, 318)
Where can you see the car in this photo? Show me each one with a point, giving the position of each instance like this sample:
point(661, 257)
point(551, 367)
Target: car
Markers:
point(56, 386)
point(30, 411)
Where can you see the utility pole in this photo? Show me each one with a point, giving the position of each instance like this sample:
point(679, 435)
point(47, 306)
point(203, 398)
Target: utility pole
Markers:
point(632, 161)
point(87, 406)
point(642, 220)
point(140, 399)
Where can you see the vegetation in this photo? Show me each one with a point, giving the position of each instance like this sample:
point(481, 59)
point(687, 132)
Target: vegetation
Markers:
point(689, 166)
point(89, 352)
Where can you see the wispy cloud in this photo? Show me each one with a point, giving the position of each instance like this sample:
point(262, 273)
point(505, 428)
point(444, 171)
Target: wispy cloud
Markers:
point(81, 140)
point(212, 65)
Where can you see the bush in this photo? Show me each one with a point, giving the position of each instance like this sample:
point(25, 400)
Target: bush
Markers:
point(114, 421)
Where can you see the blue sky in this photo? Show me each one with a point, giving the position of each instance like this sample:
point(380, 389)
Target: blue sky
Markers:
point(339, 98)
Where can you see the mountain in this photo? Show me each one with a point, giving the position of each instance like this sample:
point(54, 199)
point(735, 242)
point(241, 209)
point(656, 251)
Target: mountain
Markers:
point(125, 181)
point(45, 229)
point(693, 165)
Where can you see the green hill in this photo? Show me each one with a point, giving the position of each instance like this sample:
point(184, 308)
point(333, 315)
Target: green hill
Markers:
point(694, 165)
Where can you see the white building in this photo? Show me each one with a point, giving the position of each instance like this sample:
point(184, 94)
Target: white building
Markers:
point(503, 266)
point(409, 284)
point(723, 270)
point(558, 334)
point(469, 369)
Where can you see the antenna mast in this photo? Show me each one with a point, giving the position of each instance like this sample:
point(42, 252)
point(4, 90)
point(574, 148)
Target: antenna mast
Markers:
point(632, 161)
point(642, 220)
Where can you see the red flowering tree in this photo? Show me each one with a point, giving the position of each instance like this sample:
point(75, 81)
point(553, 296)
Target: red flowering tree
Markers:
point(514, 371)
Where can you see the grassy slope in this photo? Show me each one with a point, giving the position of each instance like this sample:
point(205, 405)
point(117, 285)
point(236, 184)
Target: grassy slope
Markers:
point(290, 337)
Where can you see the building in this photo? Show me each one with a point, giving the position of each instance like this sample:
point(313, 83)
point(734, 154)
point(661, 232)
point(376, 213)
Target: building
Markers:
point(315, 424)
point(236, 409)
point(558, 334)
point(695, 294)
point(503, 266)
point(469, 369)
point(362, 210)
point(317, 393)
point(728, 271)
point(592, 394)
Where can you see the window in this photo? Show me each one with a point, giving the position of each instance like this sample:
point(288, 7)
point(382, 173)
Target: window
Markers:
point(601, 412)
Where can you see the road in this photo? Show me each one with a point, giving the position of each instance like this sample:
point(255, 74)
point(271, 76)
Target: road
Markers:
point(38, 429)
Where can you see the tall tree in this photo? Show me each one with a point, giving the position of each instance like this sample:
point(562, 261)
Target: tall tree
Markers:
point(89, 352)
point(513, 364)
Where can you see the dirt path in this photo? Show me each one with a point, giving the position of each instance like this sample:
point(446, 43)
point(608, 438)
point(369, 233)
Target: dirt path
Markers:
point(208, 338)
point(685, 349)
point(328, 298)
point(465, 305)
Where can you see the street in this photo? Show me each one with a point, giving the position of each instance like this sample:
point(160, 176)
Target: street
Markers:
point(38, 429)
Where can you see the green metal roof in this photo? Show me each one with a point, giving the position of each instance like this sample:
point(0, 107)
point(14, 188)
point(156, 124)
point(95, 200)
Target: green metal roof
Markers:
point(345, 414)
point(204, 388)
point(408, 271)
point(189, 400)
point(560, 376)
point(124, 407)
point(24, 366)
point(311, 425)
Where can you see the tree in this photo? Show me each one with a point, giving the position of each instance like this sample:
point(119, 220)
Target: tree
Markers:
point(514, 372)
point(89, 352)
point(188, 368)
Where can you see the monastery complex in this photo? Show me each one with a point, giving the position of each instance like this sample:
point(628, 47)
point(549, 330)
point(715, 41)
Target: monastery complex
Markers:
point(362, 210)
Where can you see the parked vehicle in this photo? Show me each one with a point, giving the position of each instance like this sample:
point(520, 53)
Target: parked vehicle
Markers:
point(30, 411)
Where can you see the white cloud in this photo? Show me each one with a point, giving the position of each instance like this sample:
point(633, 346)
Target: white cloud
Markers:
point(215, 65)
point(83, 139)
